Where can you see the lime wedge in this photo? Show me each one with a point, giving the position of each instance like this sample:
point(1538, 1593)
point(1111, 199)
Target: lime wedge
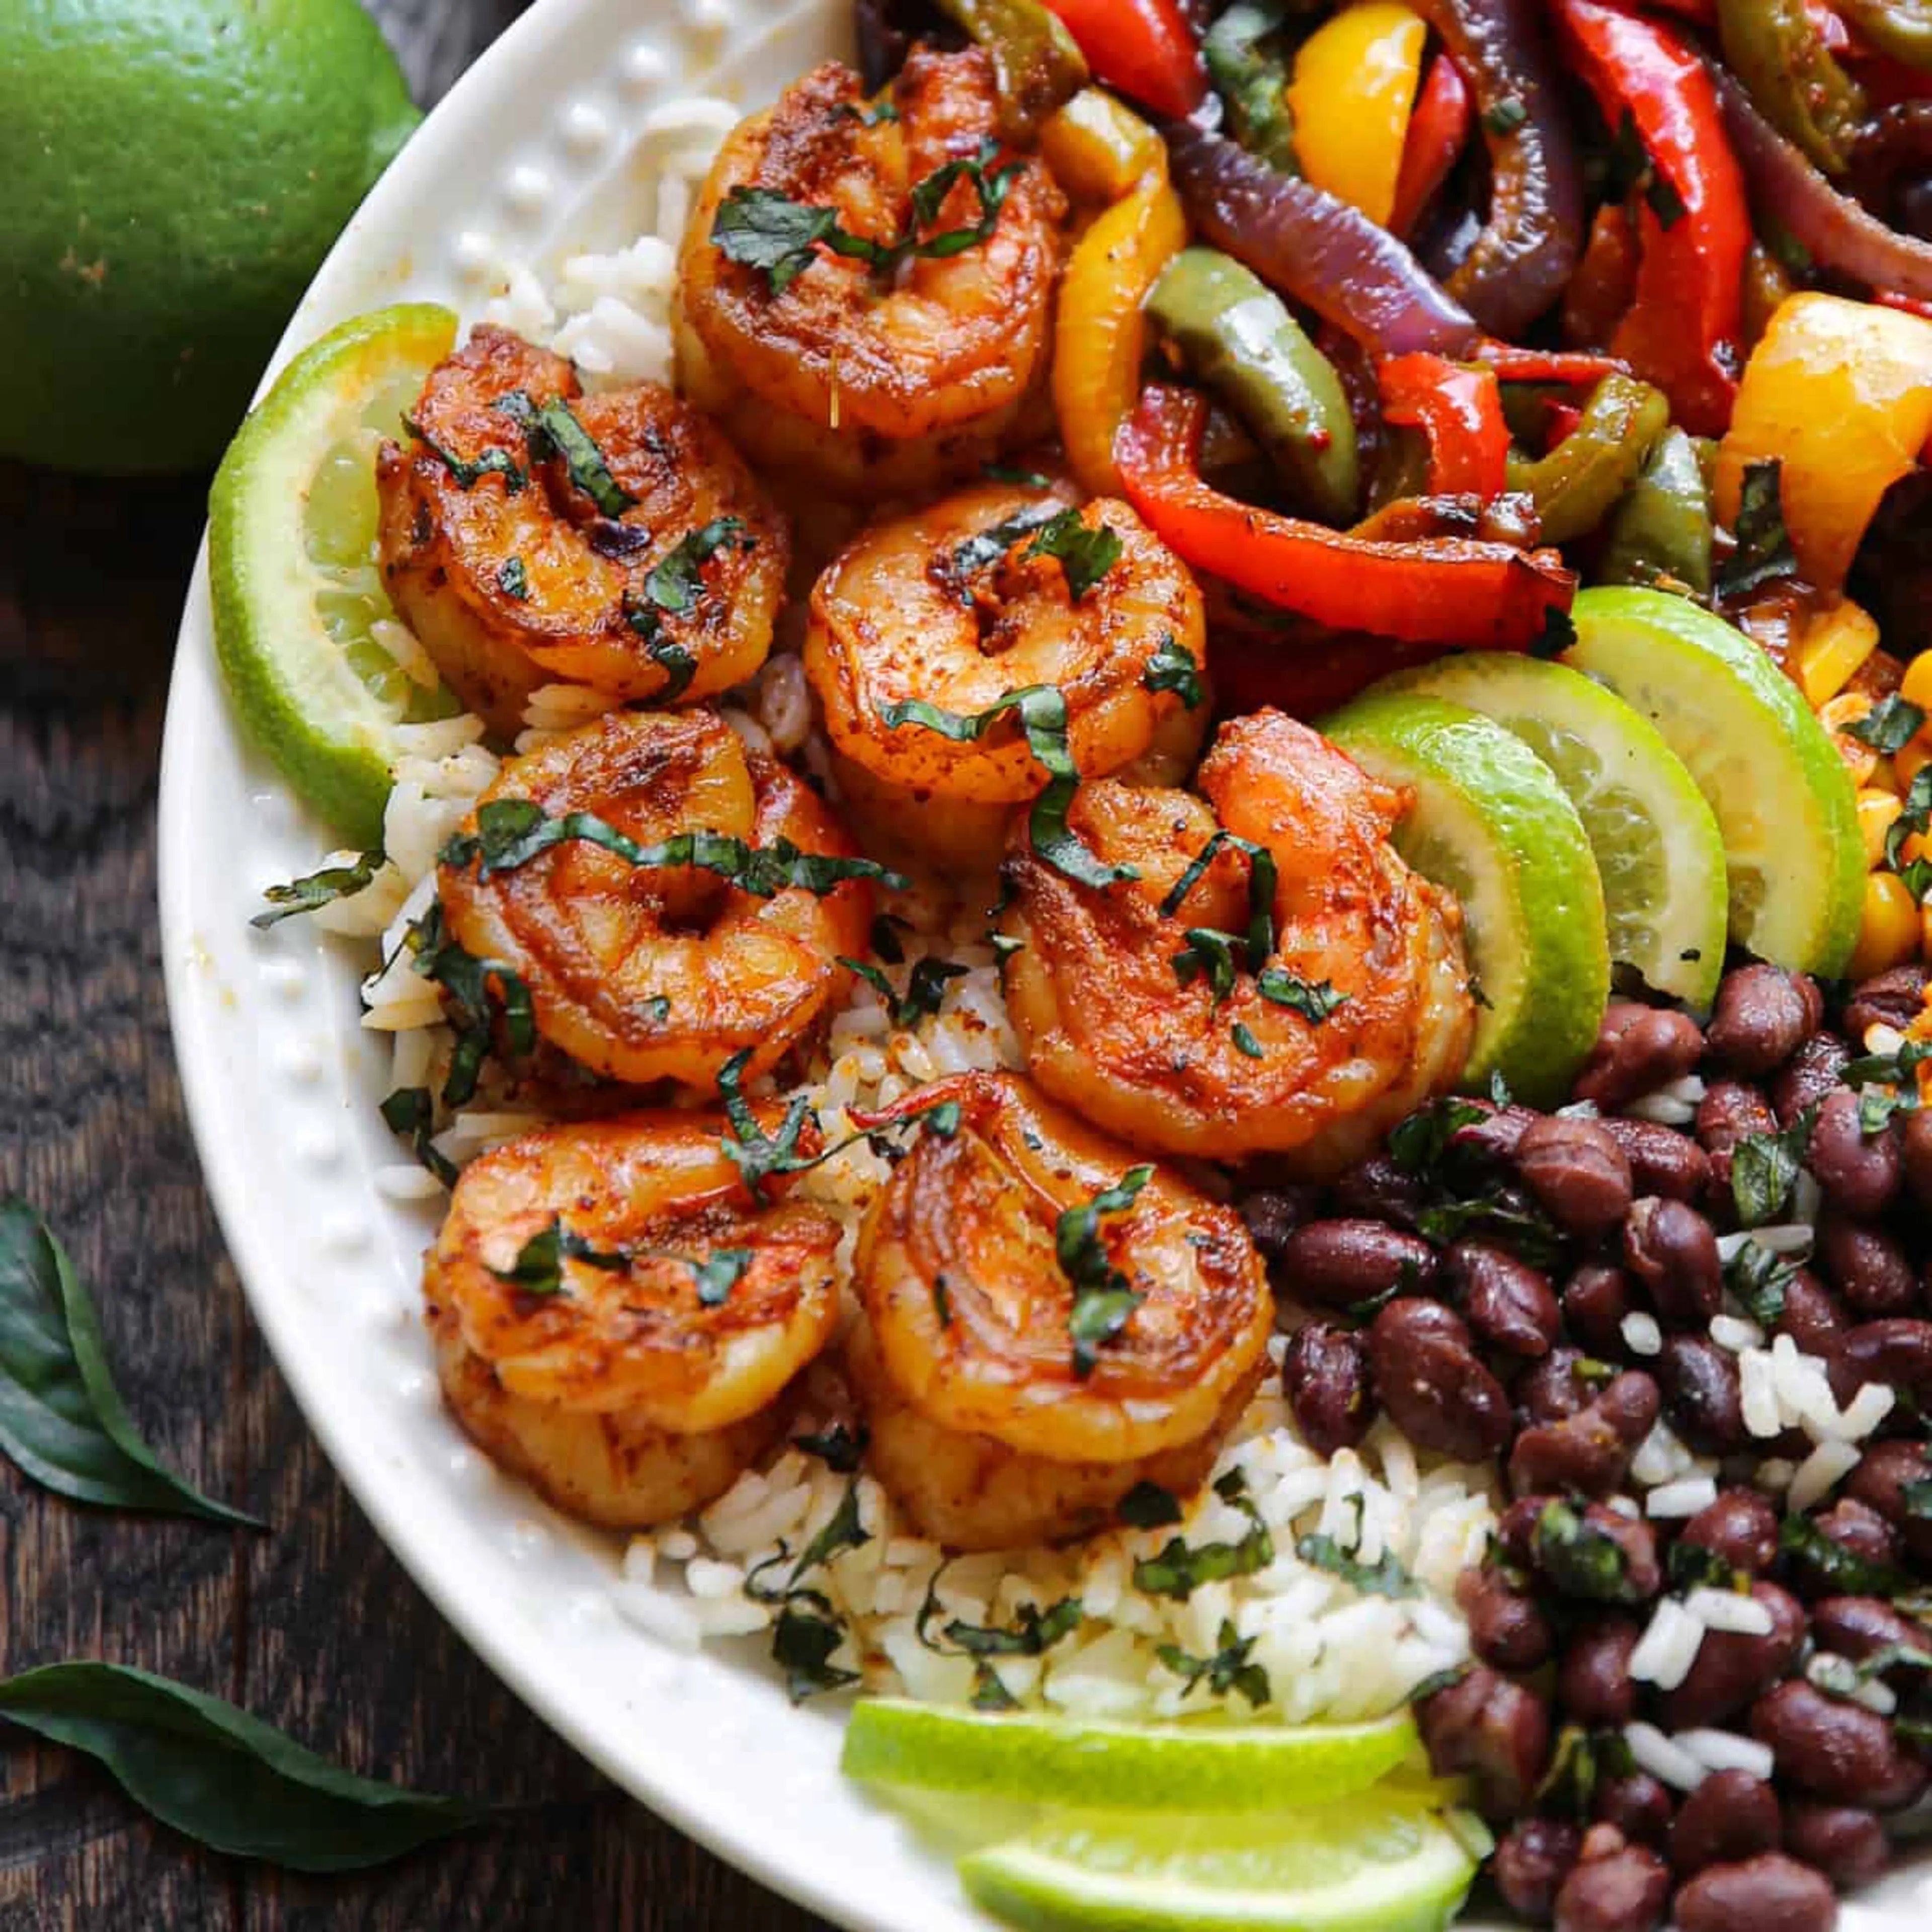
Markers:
point(1182, 1767)
point(1370, 1864)
point(1783, 800)
point(292, 567)
point(1493, 824)
point(1657, 844)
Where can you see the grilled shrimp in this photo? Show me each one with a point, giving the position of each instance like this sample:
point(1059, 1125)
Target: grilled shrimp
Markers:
point(993, 1421)
point(864, 378)
point(955, 605)
point(1360, 1011)
point(511, 584)
point(644, 972)
point(640, 1361)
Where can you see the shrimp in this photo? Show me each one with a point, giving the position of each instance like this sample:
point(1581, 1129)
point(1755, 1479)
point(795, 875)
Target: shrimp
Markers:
point(956, 605)
point(633, 1368)
point(864, 379)
point(1360, 1011)
point(661, 579)
point(991, 1422)
point(643, 973)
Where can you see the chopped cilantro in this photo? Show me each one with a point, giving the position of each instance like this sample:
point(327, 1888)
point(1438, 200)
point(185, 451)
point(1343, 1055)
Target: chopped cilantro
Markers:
point(552, 428)
point(1148, 1506)
point(1227, 1671)
point(1173, 667)
point(1505, 116)
point(1314, 1000)
point(1180, 1568)
point(1763, 551)
point(839, 1448)
point(1889, 726)
point(319, 888)
point(1765, 1168)
point(1385, 1577)
point(410, 1112)
point(1102, 1301)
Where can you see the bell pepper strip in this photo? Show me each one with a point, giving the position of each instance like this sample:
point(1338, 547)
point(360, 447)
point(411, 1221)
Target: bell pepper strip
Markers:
point(1572, 366)
point(1236, 335)
point(1682, 331)
point(1577, 483)
point(1559, 420)
point(1251, 82)
point(1480, 595)
point(1100, 334)
point(1768, 285)
point(1602, 289)
point(1355, 88)
point(1438, 131)
point(1144, 47)
point(1901, 30)
point(1662, 530)
point(1783, 61)
point(1099, 148)
point(1460, 412)
point(1837, 393)
point(1036, 63)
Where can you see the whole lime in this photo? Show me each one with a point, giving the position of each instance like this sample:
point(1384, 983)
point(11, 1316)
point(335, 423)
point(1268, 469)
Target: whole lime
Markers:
point(174, 172)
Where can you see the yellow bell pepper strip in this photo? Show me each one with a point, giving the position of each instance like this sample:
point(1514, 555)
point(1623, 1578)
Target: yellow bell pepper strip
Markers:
point(1035, 61)
point(1838, 394)
point(1101, 335)
point(1449, 591)
point(1098, 147)
point(1577, 483)
point(1354, 89)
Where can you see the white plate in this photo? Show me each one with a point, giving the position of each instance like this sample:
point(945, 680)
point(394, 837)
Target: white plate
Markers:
point(535, 147)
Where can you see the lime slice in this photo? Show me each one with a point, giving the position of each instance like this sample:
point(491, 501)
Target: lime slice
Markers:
point(1364, 1864)
point(1657, 848)
point(1181, 1767)
point(1493, 824)
point(1784, 801)
point(292, 566)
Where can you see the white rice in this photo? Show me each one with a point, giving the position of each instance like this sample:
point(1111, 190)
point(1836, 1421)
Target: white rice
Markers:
point(1668, 1648)
point(1729, 1611)
point(1642, 1334)
point(1663, 1758)
point(1726, 1750)
point(1683, 1498)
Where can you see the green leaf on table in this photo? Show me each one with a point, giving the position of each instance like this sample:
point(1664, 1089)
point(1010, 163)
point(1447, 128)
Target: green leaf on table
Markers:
point(223, 1778)
point(61, 1419)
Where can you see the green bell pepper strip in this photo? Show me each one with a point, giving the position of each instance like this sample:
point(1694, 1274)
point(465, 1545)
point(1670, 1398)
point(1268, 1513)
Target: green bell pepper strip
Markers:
point(1780, 58)
point(1035, 61)
point(1663, 528)
point(1577, 483)
point(1900, 29)
point(1235, 334)
point(1251, 83)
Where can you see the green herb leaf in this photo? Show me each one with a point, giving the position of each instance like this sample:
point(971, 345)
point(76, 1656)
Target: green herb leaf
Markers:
point(1580, 1559)
point(1314, 1001)
point(1557, 634)
point(1262, 877)
point(1148, 1506)
point(1173, 667)
point(478, 990)
point(1505, 116)
point(874, 978)
point(1848, 1574)
point(1103, 1301)
point(551, 428)
point(513, 580)
point(1085, 555)
point(988, 1693)
point(1418, 1143)
point(720, 1274)
point(1916, 1496)
point(1889, 726)
point(1245, 1042)
point(1227, 1671)
point(926, 988)
point(538, 1267)
point(1005, 473)
point(1582, 1760)
point(1385, 1577)
point(410, 1112)
point(222, 1777)
point(1208, 953)
point(886, 930)
point(1527, 1232)
point(1690, 1566)
point(843, 1530)
point(1765, 1168)
point(1031, 1633)
point(757, 1155)
point(840, 1449)
point(803, 1645)
point(319, 889)
point(1757, 1275)
point(1915, 817)
point(1180, 1570)
point(62, 1421)
point(768, 231)
point(676, 582)
point(468, 475)
point(983, 551)
point(1763, 552)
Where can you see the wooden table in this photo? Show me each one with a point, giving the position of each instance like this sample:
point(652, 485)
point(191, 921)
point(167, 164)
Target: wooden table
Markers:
point(315, 1628)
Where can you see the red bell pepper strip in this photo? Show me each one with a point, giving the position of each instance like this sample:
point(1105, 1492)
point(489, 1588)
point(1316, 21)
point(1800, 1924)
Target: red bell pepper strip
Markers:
point(1911, 305)
point(1438, 130)
point(1446, 591)
point(1559, 420)
point(1685, 329)
point(1144, 47)
point(1582, 367)
point(1460, 412)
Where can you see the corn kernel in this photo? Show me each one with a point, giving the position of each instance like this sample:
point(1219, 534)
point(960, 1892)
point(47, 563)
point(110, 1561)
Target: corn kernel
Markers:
point(1908, 762)
point(1917, 687)
point(1890, 929)
point(1837, 642)
point(1877, 810)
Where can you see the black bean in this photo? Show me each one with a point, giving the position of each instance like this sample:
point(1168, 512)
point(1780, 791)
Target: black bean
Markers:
point(1915, 1151)
point(1812, 1315)
point(1594, 1684)
point(1532, 1862)
point(1274, 1213)
point(1859, 1171)
point(1817, 1066)
point(1662, 1160)
point(1638, 1048)
point(1620, 1890)
point(1850, 1524)
point(1431, 1382)
point(1894, 999)
point(1595, 1300)
point(1879, 1482)
point(1729, 1112)
point(1492, 1729)
point(1731, 1669)
point(1731, 1816)
point(1379, 1190)
point(1507, 1630)
point(1589, 1452)
point(1846, 1842)
point(1740, 1527)
point(1868, 1268)
point(1578, 1172)
point(1897, 1351)
point(1324, 1375)
point(1769, 1893)
point(1344, 1262)
point(1638, 1805)
point(1551, 1389)
point(1508, 1304)
point(1835, 1751)
point(1496, 1136)
point(1702, 1397)
point(1516, 1528)
point(1762, 1013)
point(1670, 1249)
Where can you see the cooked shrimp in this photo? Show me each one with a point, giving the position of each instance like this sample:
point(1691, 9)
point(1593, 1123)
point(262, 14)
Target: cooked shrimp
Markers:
point(511, 584)
point(991, 1422)
point(955, 606)
point(635, 1384)
point(865, 380)
point(654, 973)
point(1361, 1009)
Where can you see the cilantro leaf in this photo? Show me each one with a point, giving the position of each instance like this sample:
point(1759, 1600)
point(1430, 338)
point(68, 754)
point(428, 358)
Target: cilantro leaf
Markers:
point(1211, 954)
point(1103, 1301)
point(843, 1530)
point(803, 1644)
point(1180, 1568)
point(1314, 1001)
point(538, 1266)
point(757, 1155)
point(1505, 116)
point(1757, 1275)
point(1085, 555)
point(770, 231)
point(467, 474)
point(319, 888)
point(1173, 668)
point(1765, 1168)
point(720, 1274)
point(513, 580)
point(552, 428)
point(1557, 634)
point(1418, 1144)
point(1227, 1671)
point(411, 1113)
point(478, 991)
point(839, 1448)
point(1385, 1577)
point(676, 581)
point(1763, 552)
point(1579, 1558)
point(1262, 877)
point(1245, 1042)
point(1889, 726)
point(1148, 1506)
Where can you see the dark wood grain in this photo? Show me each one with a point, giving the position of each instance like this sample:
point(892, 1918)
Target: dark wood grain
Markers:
point(314, 1628)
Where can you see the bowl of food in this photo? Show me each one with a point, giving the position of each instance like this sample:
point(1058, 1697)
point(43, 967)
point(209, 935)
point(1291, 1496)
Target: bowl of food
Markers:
point(1042, 888)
